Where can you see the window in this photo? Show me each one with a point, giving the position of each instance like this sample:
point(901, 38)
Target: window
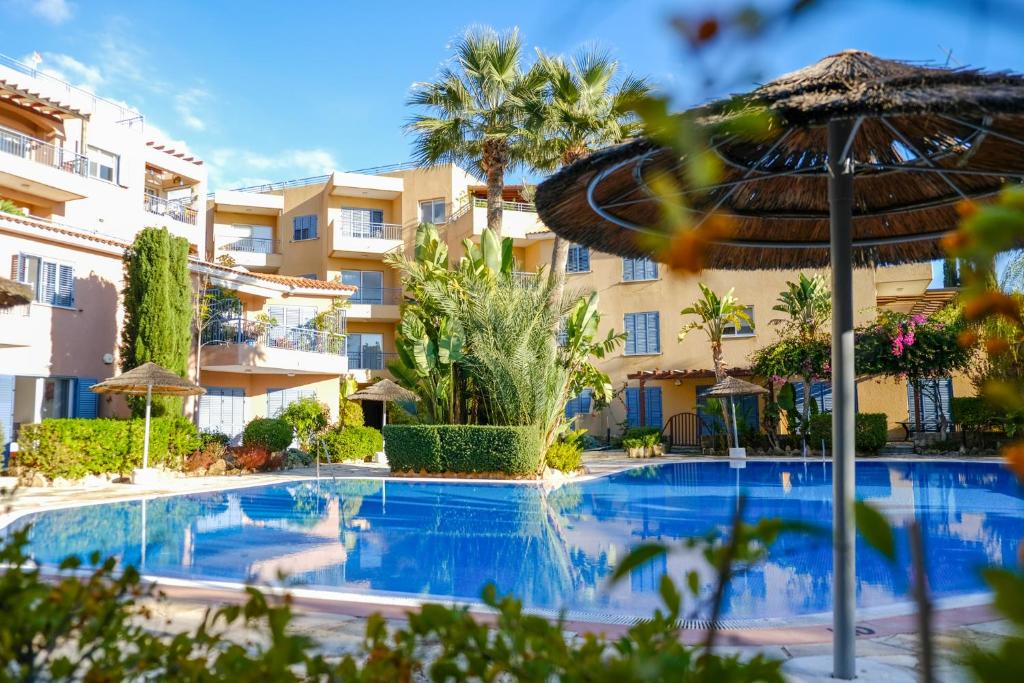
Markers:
point(579, 259)
point(56, 400)
point(365, 351)
point(304, 227)
point(103, 165)
point(432, 211)
point(746, 329)
point(52, 282)
point(369, 282)
point(279, 399)
point(936, 397)
point(365, 223)
point(639, 269)
point(652, 406)
point(222, 409)
point(580, 405)
point(643, 333)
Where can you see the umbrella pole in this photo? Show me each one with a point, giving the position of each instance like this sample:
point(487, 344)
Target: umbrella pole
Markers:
point(735, 428)
point(145, 437)
point(840, 195)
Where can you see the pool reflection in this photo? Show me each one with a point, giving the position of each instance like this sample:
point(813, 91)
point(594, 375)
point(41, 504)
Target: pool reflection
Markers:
point(554, 549)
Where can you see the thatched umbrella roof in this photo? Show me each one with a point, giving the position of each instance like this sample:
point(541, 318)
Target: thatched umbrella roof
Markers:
point(732, 386)
point(14, 293)
point(138, 380)
point(926, 138)
point(384, 390)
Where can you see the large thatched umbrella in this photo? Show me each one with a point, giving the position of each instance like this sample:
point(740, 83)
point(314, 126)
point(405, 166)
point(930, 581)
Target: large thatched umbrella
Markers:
point(146, 380)
point(385, 391)
point(864, 164)
point(732, 387)
point(14, 293)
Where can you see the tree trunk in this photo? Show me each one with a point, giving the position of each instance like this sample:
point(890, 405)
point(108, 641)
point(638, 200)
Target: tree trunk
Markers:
point(495, 186)
point(556, 276)
point(720, 374)
point(807, 412)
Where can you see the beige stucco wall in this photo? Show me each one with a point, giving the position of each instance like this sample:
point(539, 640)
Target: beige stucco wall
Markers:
point(255, 386)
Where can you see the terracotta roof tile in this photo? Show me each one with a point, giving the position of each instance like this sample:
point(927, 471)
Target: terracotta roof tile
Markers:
point(62, 230)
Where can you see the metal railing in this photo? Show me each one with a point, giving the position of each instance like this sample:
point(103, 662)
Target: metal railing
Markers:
point(252, 245)
point(33, 149)
point(255, 333)
point(508, 206)
point(347, 227)
point(525, 279)
point(21, 310)
point(391, 296)
point(370, 359)
point(175, 209)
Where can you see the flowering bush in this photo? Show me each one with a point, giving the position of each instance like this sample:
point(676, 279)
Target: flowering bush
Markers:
point(915, 346)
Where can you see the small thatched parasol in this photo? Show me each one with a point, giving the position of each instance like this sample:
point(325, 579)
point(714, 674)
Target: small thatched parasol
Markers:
point(146, 380)
point(14, 293)
point(730, 387)
point(863, 165)
point(386, 391)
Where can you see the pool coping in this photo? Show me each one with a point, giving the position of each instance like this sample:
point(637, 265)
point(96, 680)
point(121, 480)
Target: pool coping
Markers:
point(873, 621)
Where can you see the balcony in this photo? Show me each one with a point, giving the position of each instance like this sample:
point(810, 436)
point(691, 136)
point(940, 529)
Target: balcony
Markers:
point(175, 209)
point(258, 254)
point(518, 219)
point(248, 346)
point(364, 238)
point(375, 303)
point(19, 327)
point(365, 364)
point(42, 169)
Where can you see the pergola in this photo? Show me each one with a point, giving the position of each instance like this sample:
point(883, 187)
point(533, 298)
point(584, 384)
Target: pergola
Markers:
point(643, 376)
point(863, 165)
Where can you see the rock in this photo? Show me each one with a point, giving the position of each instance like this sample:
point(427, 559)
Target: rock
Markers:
point(38, 480)
point(218, 468)
point(94, 480)
point(61, 483)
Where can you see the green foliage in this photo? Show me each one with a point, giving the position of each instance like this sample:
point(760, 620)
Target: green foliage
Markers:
point(900, 345)
point(871, 431)
point(1002, 662)
point(293, 457)
point(308, 417)
point(974, 413)
point(206, 438)
point(875, 529)
point(641, 432)
point(565, 456)
point(352, 443)
point(73, 448)
point(807, 304)
point(631, 442)
point(157, 310)
point(511, 450)
point(274, 434)
point(9, 207)
point(350, 413)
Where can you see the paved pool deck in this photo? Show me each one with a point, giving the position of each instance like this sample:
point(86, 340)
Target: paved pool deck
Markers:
point(887, 645)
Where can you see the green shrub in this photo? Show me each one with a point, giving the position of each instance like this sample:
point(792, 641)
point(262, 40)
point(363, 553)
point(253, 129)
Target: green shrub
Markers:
point(308, 417)
point(293, 457)
point(642, 432)
point(352, 443)
point(871, 431)
point(463, 448)
point(206, 438)
point(73, 447)
point(632, 442)
point(271, 433)
point(564, 456)
point(974, 413)
point(350, 414)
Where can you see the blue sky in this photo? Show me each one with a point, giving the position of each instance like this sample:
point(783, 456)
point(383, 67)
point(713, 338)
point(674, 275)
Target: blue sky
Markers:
point(267, 91)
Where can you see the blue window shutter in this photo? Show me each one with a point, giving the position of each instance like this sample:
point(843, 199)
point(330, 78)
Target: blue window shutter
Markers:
point(627, 269)
point(641, 333)
point(652, 407)
point(632, 406)
point(297, 227)
point(798, 397)
point(586, 399)
point(630, 325)
point(49, 282)
point(65, 286)
point(584, 259)
point(652, 269)
point(86, 401)
point(571, 407)
point(653, 333)
point(312, 225)
point(6, 411)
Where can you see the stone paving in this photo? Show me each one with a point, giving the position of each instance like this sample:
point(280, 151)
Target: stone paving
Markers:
point(889, 657)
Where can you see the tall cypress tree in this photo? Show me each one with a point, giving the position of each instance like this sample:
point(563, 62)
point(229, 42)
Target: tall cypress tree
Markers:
point(157, 309)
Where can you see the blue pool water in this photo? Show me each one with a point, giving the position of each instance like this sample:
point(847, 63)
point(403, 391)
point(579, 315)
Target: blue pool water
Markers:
point(556, 549)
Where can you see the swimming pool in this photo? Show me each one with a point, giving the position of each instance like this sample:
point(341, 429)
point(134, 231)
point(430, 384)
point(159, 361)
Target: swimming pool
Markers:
point(436, 540)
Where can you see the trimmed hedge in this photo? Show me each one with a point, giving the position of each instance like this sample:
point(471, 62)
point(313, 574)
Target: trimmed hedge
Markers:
point(271, 433)
point(463, 448)
point(871, 431)
point(74, 447)
point(352, 443)
point(974, 413)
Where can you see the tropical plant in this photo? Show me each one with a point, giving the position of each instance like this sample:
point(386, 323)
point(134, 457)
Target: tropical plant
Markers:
point(585, 107)
point(9, 207)
point(714, 313)
point(157, 309)
point(475, 111)
point(350, 413)
point(309, 418)
point(807, 304)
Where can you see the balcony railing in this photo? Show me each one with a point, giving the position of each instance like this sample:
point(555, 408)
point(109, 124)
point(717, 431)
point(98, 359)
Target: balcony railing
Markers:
point(20, 311)
point(255, 333)
point(13, 142)
point(525, 279)
point(175, 209)
point(507, 206)
point(368, 230)
point(370, 359)
point(252, 245)
point(391, 296)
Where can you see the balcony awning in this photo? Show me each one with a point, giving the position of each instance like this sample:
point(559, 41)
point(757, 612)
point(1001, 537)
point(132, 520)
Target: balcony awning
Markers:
point(17, 95)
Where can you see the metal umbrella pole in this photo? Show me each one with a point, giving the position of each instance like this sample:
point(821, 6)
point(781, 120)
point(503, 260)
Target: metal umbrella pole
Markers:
point(145, 437)
point(840, 197)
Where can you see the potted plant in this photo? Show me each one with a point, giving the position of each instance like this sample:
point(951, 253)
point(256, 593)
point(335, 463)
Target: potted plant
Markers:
point(654, 446)
point(634, 447)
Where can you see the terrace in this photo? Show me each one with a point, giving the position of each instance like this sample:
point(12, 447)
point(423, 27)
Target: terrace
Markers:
point(42, 168)
point(237, 344)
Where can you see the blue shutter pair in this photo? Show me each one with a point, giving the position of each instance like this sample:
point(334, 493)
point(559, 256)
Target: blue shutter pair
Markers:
point(579, 405)
point(636, 269)
point(936, 397)
point(652, 407)
point(643, 333)
point(304, 227)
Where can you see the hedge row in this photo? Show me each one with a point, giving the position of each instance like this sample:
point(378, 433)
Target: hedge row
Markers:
point(352, 443)
point(871, 431)
point(73, 448)
point(463, 448)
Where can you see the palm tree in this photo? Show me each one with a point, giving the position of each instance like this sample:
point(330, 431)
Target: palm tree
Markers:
point(586, 107)
point(715, 313)
point(475, 110)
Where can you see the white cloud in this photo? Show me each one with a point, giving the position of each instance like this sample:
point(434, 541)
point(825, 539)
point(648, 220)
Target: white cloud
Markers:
point(158, 135)
point(232, 167)
point(185, 103)
point(55, 11)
